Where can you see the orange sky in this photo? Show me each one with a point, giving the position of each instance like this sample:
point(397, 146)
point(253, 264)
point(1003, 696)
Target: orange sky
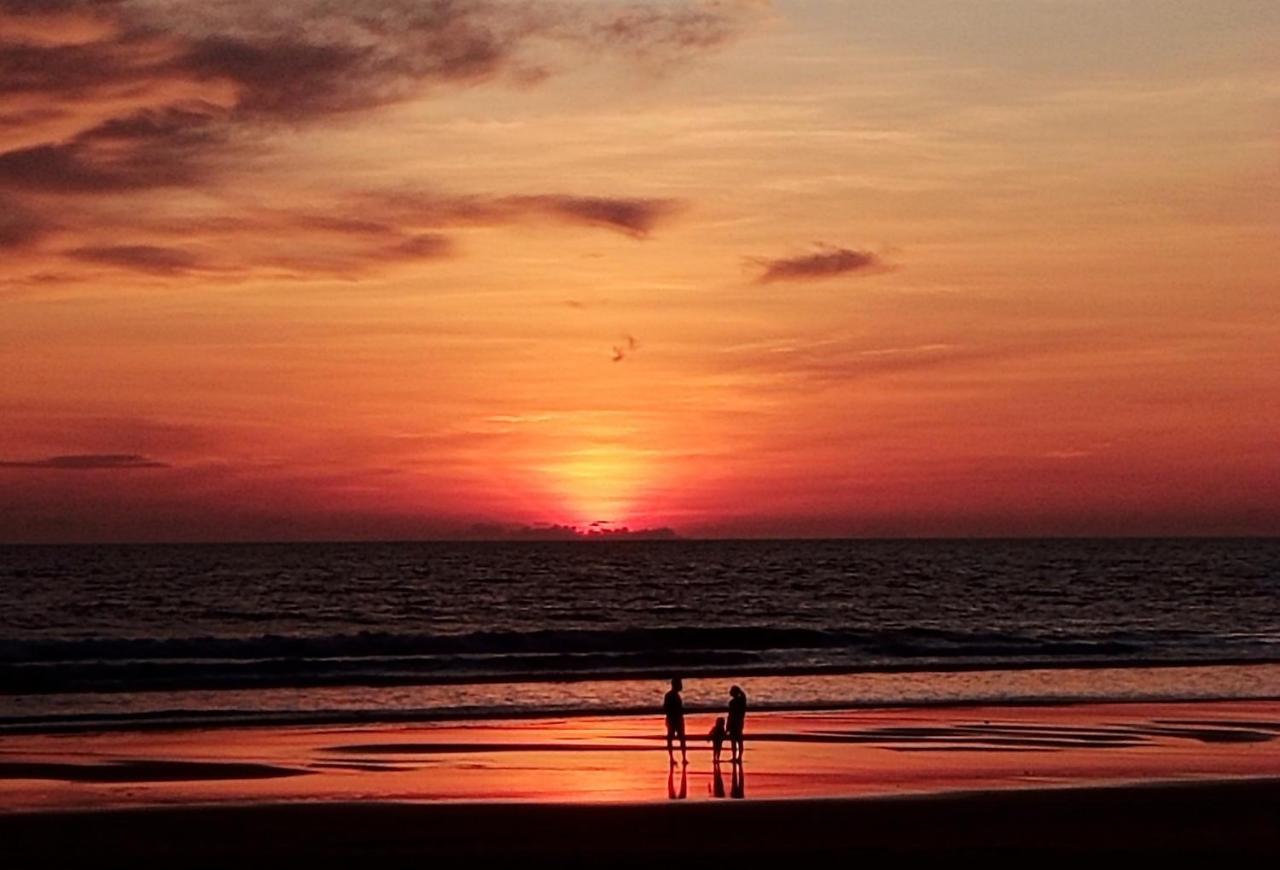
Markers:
point(389, 269)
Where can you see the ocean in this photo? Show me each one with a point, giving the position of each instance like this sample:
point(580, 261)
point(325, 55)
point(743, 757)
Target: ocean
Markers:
point(98, 636)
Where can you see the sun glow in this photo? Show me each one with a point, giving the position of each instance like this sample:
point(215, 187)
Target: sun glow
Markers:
point(600, 484)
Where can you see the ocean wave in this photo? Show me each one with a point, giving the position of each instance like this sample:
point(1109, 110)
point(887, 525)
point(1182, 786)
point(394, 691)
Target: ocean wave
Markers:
point(384, 659)
point(890, 642)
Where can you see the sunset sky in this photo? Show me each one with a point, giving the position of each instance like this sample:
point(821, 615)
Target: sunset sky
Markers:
point(391, 268)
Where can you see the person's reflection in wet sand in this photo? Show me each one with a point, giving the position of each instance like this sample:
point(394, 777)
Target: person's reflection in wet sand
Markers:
point(717, 782)
point(671, 782)
point(738, 787)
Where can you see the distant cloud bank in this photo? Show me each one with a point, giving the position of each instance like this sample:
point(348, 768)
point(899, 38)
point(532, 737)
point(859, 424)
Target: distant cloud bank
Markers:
point(553, 532)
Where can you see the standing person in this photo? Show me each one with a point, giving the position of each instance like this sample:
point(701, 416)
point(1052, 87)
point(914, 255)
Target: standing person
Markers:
point(737, 721)
point(673, 707)
point(717, 735)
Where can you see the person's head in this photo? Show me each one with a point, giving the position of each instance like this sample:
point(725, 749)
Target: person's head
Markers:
point(677, 684)
point(735, 691)
point(719, 723)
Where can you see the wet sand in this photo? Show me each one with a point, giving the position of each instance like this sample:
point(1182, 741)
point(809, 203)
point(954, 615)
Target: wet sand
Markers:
point(1146, 776)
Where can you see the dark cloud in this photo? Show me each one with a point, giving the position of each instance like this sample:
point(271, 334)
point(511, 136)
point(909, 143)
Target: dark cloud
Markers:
point(87, 462)
point(826, 262)
point(344, 225)
point(33, 7)
point(78, 71)
point(323, 58)
point(181, 95)
point(633, 216)
point(424, 246)
point(142, 258)
point(148, 149)
point(648, 27)
point(356, 258)
point(19, 227)
point(314, 58)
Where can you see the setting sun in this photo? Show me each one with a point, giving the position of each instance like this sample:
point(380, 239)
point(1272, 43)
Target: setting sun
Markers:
point(600, 485)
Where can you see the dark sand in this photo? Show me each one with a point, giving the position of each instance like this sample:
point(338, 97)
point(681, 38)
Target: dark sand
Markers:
point(1237, 817)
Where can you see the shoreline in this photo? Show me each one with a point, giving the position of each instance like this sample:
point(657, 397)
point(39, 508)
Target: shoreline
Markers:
point(210, 720)
point(958, 665)
point(29, 714)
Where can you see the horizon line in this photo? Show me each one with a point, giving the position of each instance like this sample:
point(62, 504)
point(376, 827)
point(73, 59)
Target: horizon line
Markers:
point(640, 538)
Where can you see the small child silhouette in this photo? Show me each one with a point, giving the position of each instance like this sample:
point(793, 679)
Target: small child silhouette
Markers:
point(716, 735)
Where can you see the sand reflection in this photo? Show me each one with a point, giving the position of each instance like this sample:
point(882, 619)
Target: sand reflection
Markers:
point(614, 759)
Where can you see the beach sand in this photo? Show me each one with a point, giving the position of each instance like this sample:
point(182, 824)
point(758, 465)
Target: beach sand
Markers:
point(1084, 777)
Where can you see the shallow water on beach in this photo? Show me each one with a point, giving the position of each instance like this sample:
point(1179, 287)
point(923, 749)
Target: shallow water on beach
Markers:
point(813, 754)
point(357, 704)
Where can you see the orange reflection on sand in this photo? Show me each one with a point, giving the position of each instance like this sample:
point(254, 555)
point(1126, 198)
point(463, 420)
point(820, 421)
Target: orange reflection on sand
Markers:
point(623, 759)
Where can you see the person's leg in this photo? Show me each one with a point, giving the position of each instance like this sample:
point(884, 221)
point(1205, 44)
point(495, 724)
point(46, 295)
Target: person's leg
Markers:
point(670, 734)
point(684, 749)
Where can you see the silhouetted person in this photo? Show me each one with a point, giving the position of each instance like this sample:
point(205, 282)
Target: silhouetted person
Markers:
point(738, 786)
point(716, 735)
point(717, 781)
point(673, 707)
point(737, 721)
point(671, 782)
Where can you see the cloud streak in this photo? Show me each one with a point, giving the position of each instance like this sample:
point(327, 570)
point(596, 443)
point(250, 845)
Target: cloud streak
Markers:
point(836, 362)
point(142, 258)
point(826, 262)
point(352, 236)
point(87, 462)
point(634, 217)
point(349, 237)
